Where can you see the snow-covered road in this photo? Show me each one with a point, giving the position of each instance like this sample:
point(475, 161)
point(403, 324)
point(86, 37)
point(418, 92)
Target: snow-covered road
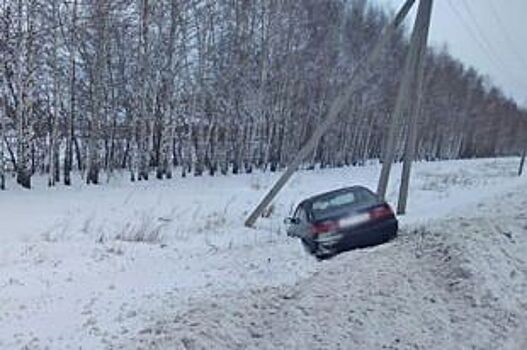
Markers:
point(118, 264)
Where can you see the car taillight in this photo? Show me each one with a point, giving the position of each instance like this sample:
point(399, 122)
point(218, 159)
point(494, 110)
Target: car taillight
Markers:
point(324, 227)
point(381, 212)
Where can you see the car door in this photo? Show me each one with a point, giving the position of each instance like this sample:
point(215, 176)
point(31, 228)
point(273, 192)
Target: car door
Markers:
point(300, 228)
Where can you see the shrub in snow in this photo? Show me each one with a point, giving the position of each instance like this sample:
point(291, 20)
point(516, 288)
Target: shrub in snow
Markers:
point(148, 230)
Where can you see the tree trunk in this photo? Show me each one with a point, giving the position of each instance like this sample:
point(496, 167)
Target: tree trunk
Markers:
point(24, 106)
point(164, 167)
point(53, 132)
point(97, 110)
point(3, 118)
point(144, 117)
point(68, 159)
point(522, 162)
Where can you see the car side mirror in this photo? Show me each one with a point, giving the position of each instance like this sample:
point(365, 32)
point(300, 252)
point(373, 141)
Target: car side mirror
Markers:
point(291, 221)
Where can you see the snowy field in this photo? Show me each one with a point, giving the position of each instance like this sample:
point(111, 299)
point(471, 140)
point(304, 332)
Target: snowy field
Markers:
point(168, 264)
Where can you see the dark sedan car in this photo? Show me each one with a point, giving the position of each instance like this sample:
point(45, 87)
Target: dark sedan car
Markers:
point(342, 220)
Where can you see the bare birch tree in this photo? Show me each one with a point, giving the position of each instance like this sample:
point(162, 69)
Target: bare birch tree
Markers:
point(100, 18)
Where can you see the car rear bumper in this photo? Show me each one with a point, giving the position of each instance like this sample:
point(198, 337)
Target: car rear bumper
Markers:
point(357, 238)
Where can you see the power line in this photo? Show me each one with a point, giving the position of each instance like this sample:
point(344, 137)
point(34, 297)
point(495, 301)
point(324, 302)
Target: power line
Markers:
point(481, 33)
point(512, 75)
point(506, 33)
point(482, 42)
point(479, 30)
point(472, 33)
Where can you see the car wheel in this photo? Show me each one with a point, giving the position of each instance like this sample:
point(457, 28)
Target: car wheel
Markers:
point(310, 247)
point(393, 235)
point(324, 253)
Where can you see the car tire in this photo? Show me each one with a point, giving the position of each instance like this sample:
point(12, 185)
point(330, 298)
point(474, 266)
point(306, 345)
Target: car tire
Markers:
point(324, 253)
point(393, 235)
point(310, 247)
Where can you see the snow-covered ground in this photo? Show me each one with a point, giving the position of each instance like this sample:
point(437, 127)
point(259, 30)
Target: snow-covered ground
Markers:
point(168, 264)
point(456, 284)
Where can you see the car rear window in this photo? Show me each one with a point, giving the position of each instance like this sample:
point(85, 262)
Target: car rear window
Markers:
point(327, 205)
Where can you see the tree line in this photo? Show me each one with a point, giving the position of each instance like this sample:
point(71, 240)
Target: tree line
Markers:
point(218, 86)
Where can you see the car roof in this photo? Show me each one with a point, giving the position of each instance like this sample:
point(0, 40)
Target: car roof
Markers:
point(329, 193)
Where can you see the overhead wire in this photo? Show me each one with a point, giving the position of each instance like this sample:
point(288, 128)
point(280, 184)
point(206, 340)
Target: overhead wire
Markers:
point(506, 33)
point(502, 63)
point(471, 32)
point(481, 40)
point(479, 30)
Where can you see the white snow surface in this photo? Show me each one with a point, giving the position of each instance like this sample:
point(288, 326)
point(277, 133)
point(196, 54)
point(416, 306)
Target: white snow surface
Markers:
point(168, 264)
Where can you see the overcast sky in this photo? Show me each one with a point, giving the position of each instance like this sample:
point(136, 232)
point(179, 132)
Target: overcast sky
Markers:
point(490, 35)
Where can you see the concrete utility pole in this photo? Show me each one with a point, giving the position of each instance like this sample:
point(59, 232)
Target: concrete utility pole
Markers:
point(422, 26)
point(336, 108)
point(405, 103)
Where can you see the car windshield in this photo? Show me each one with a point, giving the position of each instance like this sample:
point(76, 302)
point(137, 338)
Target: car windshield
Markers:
point(334, 203)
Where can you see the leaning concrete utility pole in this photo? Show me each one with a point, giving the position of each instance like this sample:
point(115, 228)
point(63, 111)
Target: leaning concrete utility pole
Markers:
point(336, 108)
point(407, 90)
point(422, 26)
